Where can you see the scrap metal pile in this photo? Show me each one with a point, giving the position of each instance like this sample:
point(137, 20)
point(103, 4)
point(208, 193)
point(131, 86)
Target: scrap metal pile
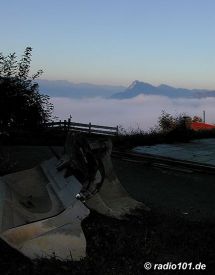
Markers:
point(41, 209)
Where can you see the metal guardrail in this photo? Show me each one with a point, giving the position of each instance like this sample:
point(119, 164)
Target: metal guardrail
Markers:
point(90, 128)
point(164, 162)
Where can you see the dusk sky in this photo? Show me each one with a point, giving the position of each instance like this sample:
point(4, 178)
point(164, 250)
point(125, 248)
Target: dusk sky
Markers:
point(115, 41)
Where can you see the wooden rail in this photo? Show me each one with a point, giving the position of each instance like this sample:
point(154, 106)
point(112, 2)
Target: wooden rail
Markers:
point(90, 128)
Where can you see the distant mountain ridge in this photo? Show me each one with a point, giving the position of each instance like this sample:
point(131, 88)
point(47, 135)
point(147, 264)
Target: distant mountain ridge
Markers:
point(138, 87)
point(64, 88)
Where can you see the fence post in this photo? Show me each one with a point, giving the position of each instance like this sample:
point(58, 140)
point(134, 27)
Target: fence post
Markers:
point(117, 130)
point(89, 127)
point(60, 124)
point(64, 125)
point(69, 121)
point(52, 123)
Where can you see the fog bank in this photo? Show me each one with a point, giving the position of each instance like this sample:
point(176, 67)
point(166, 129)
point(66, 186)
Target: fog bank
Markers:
point(142, 111)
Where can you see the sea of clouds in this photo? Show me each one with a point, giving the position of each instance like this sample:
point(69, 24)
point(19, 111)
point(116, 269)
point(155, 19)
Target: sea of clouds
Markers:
point(142, 111)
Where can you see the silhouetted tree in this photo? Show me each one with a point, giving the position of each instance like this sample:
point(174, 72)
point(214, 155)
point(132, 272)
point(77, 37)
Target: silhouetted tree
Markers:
point(21, 104)
point(168, 123)
point(197, 119)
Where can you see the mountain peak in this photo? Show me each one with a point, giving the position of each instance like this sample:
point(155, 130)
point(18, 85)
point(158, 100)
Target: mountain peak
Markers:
point(133, 84)
point(136, 84)
point(137, 88)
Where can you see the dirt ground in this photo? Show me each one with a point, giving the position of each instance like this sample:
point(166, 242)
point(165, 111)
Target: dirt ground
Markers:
point(180, 226)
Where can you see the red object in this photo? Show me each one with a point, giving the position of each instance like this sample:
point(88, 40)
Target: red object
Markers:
point(201, 126)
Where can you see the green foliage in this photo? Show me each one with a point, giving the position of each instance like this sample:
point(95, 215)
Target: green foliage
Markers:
point(21, 104)
point(168, 123)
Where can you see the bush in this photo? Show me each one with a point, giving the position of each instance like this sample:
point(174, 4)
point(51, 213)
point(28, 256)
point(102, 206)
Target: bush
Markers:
point(168, 123)
point(21, 104)
point(170, 129)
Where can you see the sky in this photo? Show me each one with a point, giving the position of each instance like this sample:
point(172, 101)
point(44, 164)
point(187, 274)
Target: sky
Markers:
point(115, 41)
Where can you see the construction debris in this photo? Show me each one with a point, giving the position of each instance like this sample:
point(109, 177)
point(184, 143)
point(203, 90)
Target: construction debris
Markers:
point(41, 209)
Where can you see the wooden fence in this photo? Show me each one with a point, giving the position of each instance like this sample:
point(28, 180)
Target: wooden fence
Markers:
point(68, 125)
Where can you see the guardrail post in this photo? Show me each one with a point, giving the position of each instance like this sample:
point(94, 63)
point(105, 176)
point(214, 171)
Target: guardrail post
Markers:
point(89, 127)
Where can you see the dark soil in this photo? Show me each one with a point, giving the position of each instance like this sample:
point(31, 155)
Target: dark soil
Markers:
point(122, 247)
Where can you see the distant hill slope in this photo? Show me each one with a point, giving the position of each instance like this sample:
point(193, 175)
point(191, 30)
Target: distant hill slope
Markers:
point(63, 88)
point(138, 87)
